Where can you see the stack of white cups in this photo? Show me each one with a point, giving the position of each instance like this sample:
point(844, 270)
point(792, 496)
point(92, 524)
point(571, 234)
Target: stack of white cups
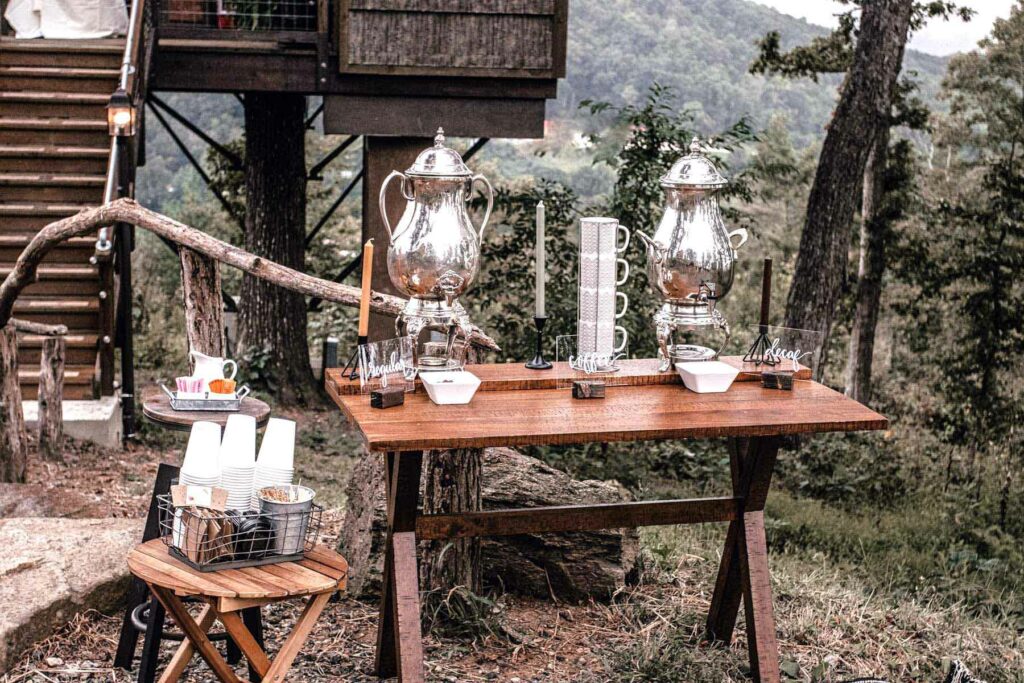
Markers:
point(238, 460)
point(276, 464)
point(201, 466)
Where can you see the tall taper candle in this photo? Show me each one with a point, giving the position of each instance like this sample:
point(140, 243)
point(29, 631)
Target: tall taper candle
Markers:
point(364, 298)
point(540, 257)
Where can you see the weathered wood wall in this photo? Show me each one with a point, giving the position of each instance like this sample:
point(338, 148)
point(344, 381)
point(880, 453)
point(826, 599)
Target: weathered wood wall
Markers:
point(510, 38)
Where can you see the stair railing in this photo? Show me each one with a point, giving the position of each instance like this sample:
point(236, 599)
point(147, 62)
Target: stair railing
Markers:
point(114, 246)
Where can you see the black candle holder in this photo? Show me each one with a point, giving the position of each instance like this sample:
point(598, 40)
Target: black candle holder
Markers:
point(351, 369)
point(538, 362)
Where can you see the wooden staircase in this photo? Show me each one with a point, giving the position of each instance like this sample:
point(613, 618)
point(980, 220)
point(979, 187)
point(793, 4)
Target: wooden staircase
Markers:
point(54, 150)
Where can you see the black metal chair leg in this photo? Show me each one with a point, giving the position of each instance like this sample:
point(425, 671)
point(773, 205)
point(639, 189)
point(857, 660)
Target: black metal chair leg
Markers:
point(232, 653)
point(151, 644)
point(137, 592)
point(253, 620)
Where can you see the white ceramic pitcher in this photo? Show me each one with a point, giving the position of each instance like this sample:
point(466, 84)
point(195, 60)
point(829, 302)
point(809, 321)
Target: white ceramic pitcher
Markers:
point(210, 368)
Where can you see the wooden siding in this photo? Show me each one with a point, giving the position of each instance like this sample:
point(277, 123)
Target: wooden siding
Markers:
point(495, 38)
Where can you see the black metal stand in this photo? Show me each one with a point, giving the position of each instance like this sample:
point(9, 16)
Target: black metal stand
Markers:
point(538, 362)
point(351, 368)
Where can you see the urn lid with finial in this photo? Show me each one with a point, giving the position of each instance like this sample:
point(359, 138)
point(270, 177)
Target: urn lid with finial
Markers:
point(439, 161)
point(694, 171)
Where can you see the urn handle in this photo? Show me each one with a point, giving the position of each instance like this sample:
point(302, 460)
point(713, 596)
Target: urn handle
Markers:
point(490, 201)
point(742, 233)
point(382, 199)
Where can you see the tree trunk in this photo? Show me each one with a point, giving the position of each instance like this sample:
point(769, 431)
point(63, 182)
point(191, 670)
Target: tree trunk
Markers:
point(452, 483)
point(51, 399)
point(204, 308)
point(871, 268)
point(273, 320)
point(13, 439)
point(864, 107)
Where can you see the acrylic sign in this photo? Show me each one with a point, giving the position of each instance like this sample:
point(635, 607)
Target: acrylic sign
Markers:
point(785, 348)
point(387, 363)
point(597, 366)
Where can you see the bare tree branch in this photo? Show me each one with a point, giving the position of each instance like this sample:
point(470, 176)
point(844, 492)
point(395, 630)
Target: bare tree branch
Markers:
point(128, 211)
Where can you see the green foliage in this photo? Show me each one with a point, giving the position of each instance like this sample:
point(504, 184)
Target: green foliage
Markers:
point(502, 297)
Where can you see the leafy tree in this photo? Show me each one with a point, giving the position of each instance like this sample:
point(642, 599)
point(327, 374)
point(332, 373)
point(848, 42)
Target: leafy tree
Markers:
point(878, 38)
point(964, 260)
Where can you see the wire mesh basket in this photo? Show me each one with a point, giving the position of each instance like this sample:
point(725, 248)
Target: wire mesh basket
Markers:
point(208, 540)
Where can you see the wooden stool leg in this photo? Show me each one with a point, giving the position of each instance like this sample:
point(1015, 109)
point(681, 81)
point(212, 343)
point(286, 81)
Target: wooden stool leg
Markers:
point(286, 655)
point(252, 650)
point(176, 609)
point(399, 641)
point(182, 657)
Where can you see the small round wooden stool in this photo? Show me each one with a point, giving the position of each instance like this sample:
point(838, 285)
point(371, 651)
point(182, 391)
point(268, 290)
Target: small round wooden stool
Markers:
point(316, 577)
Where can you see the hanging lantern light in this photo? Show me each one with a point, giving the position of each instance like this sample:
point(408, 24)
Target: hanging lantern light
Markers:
point(121, 114)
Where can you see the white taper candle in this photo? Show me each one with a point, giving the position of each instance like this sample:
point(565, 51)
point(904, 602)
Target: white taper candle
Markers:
point(540, 256)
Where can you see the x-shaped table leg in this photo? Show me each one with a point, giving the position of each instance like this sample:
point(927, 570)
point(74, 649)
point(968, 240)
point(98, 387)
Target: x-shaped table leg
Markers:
point(197, 641)
point(743, 572)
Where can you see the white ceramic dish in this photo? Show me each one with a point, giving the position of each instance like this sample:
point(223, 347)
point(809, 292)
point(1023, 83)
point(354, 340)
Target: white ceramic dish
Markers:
point(707, 377)
point(450, 388)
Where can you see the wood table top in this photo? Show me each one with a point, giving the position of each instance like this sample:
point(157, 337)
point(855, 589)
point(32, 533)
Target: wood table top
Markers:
point(321, 570)
point(156, 407)
point(519, 417)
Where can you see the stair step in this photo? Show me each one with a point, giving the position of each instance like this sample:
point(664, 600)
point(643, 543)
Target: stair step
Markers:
point(52, 187)
point(78, 382)
point(80, 349)
point(75, 251)
point(55, 159)
point(47, 104)
point(103, 54)
point(54, 132)
point(58, 79)
point(61, 279)
point(75, 312)
point(18, 217)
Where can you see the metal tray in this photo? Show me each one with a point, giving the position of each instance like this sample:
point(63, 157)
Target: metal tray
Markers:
point(219, 405)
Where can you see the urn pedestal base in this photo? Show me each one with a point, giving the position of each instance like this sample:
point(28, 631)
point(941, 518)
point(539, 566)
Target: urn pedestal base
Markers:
point(439, 331)
point(701, 321)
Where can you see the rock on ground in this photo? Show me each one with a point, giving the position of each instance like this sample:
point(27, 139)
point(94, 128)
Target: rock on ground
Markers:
point(52, 569)
point(571, 566)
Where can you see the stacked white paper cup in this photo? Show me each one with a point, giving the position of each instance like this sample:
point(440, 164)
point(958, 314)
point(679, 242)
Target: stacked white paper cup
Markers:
point(238, 460)
point(276, 464)
point(201, 466)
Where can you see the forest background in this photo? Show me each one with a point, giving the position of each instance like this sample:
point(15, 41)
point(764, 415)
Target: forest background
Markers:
point(927, 512)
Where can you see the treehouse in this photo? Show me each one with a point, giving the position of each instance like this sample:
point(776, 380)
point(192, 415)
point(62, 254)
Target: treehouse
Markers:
point(73, 113)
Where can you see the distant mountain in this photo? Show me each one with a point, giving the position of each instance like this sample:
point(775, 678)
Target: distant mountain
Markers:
point(702, 49)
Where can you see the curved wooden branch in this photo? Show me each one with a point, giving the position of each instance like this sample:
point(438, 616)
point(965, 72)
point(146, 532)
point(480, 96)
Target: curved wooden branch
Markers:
point(128, 211)
point(39, 328)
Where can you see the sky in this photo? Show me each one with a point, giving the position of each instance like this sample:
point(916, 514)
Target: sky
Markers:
point(937, 38)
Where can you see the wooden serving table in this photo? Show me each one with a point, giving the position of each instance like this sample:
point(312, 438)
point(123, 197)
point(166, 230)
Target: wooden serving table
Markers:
point(156, 408)
point(509, 411)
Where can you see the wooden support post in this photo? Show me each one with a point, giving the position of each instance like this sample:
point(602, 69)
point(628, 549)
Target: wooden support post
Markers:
point(13, 439)
point(381, 156)
point(399, 642)
point(204, 310)
point(51, 399)
point(743, 572)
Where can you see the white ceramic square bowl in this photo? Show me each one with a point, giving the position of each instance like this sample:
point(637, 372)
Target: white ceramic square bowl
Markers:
point(450, 388)
point(707, 377)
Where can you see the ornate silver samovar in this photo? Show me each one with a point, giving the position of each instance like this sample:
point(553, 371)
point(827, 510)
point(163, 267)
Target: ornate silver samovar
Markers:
point(691, 258)
point(434, 253)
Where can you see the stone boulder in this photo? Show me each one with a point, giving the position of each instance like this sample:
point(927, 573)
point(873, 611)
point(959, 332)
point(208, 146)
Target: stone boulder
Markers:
point(571, 566)
point(52, 569)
